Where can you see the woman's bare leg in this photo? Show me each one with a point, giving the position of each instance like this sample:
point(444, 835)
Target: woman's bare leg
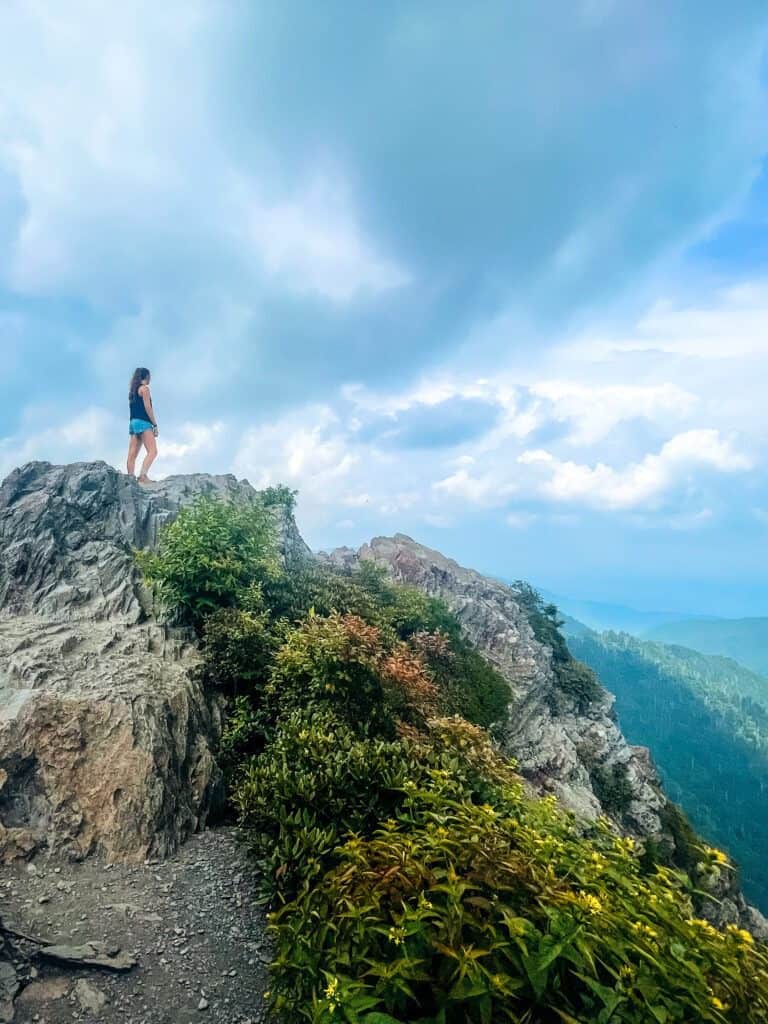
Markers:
point(148, 439)
point(134, 447)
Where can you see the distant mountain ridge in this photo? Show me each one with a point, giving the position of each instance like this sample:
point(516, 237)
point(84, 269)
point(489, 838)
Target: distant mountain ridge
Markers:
point(604, 615)
point(745, 640)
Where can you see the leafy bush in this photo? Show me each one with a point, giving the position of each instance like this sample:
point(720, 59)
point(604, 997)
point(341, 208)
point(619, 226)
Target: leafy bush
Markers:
point(210, 555)
point(317, 781)
point(612, 788)
point(342, 663)
point(243, 736)
point(469, 686)
point(279, 495)
point(238, 648)
point(320, 589)
point(455, 911)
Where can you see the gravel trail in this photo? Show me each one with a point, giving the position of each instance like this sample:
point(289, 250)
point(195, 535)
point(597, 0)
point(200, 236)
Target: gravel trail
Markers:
point(189, 921)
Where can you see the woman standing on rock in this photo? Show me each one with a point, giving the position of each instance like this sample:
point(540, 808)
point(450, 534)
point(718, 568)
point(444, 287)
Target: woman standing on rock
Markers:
point(142, 427)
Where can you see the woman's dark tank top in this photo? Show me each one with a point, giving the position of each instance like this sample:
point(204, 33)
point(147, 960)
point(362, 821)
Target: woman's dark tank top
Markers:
point(138, 412)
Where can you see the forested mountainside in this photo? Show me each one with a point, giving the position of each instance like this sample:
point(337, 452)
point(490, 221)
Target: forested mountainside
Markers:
point(744, 640)
point(705, 719)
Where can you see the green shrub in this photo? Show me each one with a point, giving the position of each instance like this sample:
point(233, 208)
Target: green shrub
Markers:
point(244, 735)
point(687, 852)
point(469, 686)
point(317, 781)
point(331, 663)
point(322, 590)
point(343, 664)
point(238, 648)
point(455, 912)
point(612, 788)
point(279, 495)
point(212, 554)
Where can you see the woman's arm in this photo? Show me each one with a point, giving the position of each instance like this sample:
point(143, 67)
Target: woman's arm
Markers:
point(147, 399)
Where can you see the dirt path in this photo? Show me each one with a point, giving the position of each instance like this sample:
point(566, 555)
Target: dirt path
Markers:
point(189, 921)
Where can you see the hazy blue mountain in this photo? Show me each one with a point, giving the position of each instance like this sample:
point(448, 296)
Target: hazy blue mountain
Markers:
point(745, 640)
point(602, 615)
point(705, 719)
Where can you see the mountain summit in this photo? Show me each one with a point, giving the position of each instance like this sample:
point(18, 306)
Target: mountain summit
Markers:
point(108, 734)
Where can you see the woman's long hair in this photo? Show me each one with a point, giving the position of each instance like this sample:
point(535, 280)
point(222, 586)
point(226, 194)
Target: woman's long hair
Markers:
point(140, 374)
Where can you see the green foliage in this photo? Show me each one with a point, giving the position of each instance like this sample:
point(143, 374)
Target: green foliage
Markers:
point(456, 911)
point(687, 845)
point(279, 495)
point(412, 876)
point(317, 781)
point(368, 678)
point(469, 685)
point(210, 555)
point(612, 788)
point(332, 662)
point(244, 735)
point(238, 647)
point(320, 589)
point(573, 678)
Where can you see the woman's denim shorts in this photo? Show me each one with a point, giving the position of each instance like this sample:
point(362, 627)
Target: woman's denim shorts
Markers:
point(139, 426)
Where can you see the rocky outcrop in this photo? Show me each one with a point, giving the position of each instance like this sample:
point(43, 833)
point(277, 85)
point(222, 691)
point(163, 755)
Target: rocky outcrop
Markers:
point(106, 732)
point(561, 747)
point(558, 747)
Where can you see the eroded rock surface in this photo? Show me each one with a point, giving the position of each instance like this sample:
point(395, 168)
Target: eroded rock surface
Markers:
point(106, 732)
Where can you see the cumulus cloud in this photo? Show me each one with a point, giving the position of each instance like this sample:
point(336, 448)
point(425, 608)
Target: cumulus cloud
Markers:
point(640, 483)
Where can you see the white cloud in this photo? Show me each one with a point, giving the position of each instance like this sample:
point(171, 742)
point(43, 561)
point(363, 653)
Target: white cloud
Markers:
point(520, 520)
point(594, 411)
point(728, 325)
point(305, 450)
point(93, 433)
point(639, 483)
point(485, 489)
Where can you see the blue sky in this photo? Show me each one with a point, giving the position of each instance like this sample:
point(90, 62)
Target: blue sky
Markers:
point(494, 275)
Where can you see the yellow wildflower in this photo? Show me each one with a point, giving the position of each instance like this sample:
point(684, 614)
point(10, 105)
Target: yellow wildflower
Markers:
point(717, 1003)
point(332, 987)
point(589, 902)
point(740, 933)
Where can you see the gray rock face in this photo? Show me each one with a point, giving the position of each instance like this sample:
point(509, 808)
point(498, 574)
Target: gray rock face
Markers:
point(559, 747)
point(105, 730)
